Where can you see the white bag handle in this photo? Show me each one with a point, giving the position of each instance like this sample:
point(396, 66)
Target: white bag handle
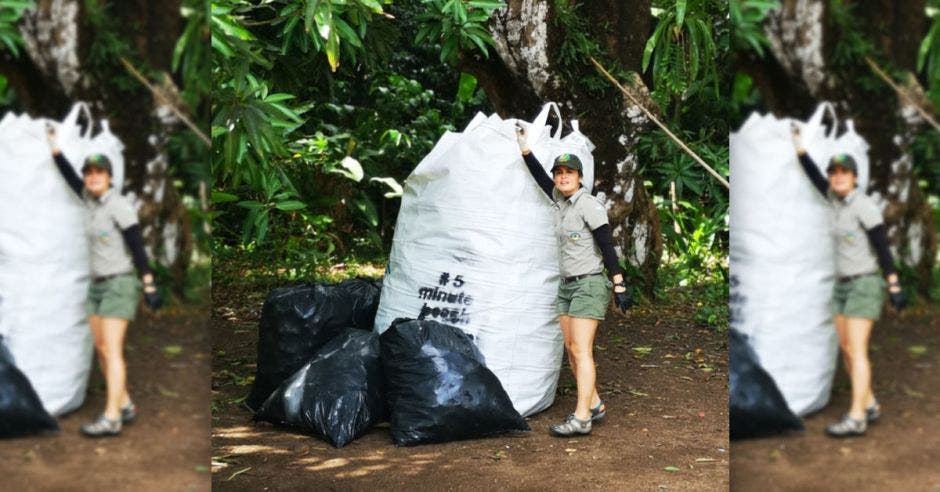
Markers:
point(71, 119)
point(574, 126)
point(542, 119)
point(816, 120)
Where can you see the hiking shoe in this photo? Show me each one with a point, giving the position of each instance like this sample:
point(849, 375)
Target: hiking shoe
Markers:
point(873, 412)
point(102, 427)
point(597, 414)
point(847, 427)
point(128, 413)
point(571, 426)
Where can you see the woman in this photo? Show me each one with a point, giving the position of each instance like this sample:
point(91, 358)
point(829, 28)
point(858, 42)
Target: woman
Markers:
point(114, 292)
point(585, 248)
point(859, 289)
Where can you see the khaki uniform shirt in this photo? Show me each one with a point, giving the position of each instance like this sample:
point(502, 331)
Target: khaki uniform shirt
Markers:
point(106, 217)
point(575, 218)
point(852, 216)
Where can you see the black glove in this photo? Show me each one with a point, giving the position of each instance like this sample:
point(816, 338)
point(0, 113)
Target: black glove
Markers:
point(153, 299)
point(898, 300)
point(623, 301)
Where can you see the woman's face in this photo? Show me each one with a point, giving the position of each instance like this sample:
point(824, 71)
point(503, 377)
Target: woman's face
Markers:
point(566, 180)
point(841, 180)
point(97, 181)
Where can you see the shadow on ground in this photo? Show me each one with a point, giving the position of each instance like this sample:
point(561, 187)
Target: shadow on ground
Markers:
point(664, 380)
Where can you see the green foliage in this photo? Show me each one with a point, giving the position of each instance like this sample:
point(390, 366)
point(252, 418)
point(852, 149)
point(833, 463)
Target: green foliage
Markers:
point(10, 13)
point(682, 50)
point(457, 25)
point(308, 153)
point(7, 96)
point(326, 26)
point(107, 44)
point(707, 291)
point(747, 18)
point(192, 52)
point(693, 219)
point(578, 45)
point(928, 56)
point(693, 206)
point(925, 154)
point(849, 49)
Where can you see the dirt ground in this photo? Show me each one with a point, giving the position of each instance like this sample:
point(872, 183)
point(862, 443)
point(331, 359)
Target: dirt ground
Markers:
point(900, 452)
point(663, 378)
point(166, 449)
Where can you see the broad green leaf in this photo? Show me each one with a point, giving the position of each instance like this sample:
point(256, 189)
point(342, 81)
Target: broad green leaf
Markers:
point(310, 14)
point(368, 210)
point(289, 205)
point(466, 87)
point(347, 32)
point(222, 197)
point(681, 5)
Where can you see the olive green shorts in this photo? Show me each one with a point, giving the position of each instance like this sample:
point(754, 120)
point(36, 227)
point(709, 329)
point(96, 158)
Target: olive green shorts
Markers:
point(584, 298)
point(116, 297)
point(861, 297)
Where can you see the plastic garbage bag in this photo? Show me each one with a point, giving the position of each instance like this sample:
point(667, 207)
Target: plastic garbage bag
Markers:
point(757, 406)
point(438, 387)
point(297, 321)
point(782, 251)
point(478, 250)
point(21, 412)
point(338, 395)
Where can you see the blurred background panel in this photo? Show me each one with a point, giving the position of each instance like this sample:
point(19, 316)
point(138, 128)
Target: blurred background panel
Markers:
point(143, 66)
point(879, 63)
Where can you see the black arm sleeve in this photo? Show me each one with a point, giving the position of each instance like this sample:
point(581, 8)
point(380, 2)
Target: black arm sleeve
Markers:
point(878, 238)
point(606, 244)
point(535, 167)
point(71, 178)
point(135, 242)
point(819, 181)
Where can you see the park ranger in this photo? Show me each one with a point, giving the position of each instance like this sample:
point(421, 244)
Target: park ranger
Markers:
point(116, 249)
point(585, 249)
point(861, 247)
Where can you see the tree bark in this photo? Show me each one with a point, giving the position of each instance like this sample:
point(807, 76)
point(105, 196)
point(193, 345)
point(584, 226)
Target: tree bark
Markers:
point(525, 73)
point(801, 70)
point(55, 71)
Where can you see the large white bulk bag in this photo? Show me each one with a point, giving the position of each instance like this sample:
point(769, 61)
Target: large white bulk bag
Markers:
point(474, 247)
point(782, 258)
point(44, 265)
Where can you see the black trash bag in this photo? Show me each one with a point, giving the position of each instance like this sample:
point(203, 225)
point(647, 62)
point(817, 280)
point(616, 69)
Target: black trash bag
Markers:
point(757, 406)
point(338, 395)
point(438, 388)
point(297, 321)
point(21, 411)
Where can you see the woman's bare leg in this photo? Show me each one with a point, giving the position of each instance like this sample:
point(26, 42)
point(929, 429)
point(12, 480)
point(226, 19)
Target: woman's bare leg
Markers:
point(581, 348)
point(859, 332)
point(115, 371)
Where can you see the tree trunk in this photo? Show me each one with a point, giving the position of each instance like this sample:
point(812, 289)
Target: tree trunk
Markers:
point(69, 57)
point(526, 72)
point(804, 67)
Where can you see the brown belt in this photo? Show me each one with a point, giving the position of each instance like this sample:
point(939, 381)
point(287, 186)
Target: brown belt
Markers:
point(107, 277)
point(578, 277)
point(850, 278)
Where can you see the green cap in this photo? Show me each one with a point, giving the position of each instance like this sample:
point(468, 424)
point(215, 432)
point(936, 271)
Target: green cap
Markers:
point(570, 161)
point(844, 161)
point(99, 161)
